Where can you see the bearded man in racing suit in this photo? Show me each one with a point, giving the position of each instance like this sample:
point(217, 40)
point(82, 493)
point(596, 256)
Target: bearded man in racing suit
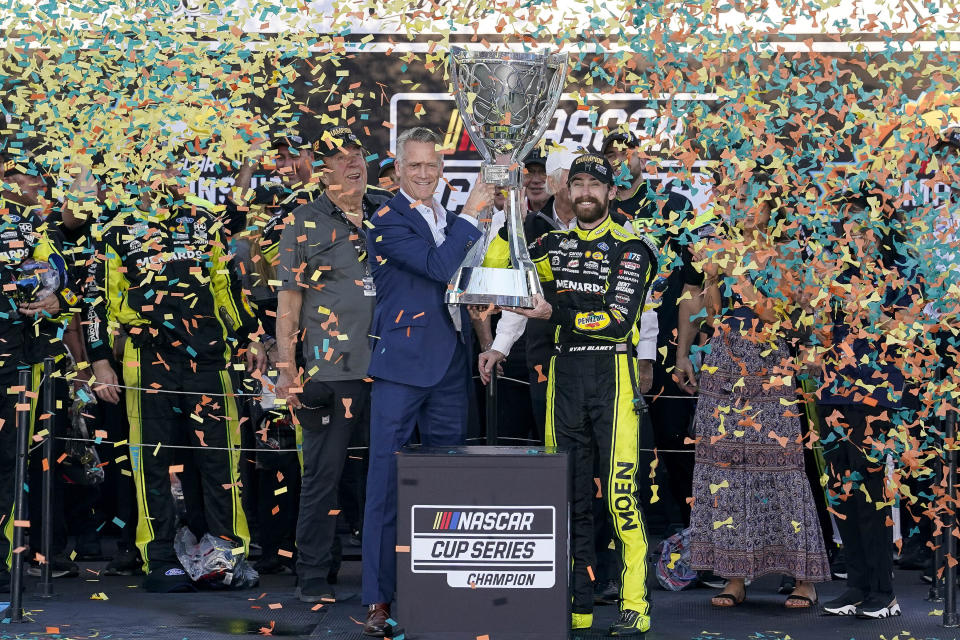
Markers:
point(601, 274)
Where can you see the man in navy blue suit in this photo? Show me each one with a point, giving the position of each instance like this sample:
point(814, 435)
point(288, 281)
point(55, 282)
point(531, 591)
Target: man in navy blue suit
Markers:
point(420, 359)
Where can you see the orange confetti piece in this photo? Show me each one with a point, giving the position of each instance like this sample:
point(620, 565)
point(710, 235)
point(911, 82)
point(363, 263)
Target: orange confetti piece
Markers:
point(540, 376)
point(403, 548)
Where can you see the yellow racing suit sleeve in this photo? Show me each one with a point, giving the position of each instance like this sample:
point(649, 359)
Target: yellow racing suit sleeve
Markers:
point(105, 290)
point(540, 254)
point(49, 250)
point(228, 294)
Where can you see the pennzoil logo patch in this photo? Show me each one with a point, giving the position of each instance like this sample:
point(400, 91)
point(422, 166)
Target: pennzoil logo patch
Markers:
point(592, 321)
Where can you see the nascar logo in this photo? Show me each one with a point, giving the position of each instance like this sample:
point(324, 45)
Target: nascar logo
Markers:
point(482, 521)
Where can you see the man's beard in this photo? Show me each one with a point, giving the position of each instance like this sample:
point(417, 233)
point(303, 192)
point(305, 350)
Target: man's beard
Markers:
point(588, 215)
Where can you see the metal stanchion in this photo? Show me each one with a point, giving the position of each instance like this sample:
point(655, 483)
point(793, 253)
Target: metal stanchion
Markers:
point(49, 405)
point(492, 414)
point(19, 506)
point(950, 616)
point(935, 594)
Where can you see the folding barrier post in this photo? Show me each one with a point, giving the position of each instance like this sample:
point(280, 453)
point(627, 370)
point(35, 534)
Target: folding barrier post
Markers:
point(49, 406)
point(492, 414)
point(19, 508)
point(950, 617)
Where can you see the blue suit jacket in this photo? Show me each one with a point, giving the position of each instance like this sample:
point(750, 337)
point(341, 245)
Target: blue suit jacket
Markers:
point(412, 335)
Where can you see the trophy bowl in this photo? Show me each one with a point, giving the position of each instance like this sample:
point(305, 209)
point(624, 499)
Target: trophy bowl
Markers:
point(506, 101)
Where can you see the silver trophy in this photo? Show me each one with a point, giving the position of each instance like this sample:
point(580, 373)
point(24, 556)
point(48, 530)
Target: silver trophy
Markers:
point(506, 101)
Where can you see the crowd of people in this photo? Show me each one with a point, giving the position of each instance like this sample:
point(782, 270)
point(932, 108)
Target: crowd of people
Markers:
point(305, 320)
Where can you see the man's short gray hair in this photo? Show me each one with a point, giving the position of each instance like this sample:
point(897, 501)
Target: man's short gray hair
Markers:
point(417, 134)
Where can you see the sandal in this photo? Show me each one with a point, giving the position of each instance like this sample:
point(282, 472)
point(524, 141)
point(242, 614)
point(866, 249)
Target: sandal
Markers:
point(726, 600)
point(795, 601)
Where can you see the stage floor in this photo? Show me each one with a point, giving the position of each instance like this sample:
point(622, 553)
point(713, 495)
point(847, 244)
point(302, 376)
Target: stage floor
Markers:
point(115, 608)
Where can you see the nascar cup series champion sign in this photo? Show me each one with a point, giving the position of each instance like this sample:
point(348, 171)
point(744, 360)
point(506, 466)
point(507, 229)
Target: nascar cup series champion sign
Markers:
point(480, 547)
point(482, 536)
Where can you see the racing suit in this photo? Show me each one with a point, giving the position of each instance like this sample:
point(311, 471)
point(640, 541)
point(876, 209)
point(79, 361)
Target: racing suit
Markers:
point(24, 238)
point(164, 286)
point(597, 283)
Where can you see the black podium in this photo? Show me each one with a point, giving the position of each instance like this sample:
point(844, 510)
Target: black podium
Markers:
point(482, 543)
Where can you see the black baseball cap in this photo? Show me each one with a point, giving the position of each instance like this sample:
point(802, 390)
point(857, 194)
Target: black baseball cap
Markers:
point(333, 139)
point(386, 163)
point(593, 165)
point(289, 138)
point(627, 138)
point(536, 156)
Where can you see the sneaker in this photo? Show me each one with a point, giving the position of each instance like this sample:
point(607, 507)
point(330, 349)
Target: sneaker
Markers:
point(846, 604)
point(168, 580)
point(838, 565)
point(356, 538)
point(630, 623)
point(60, 567)
point(877, 607)
point(126, 562)
point(581, 621)
point(607, 592)
point(313, 590)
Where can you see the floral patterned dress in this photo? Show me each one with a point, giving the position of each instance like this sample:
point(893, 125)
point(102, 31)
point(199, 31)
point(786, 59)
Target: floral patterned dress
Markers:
point(753, 510)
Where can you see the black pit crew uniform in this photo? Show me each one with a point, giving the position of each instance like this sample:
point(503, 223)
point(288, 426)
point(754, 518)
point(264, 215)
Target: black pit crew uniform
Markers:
point(24, 238)
point(597, 282)
point(166, 280)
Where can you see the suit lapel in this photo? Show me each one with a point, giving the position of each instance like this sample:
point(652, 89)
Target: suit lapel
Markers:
point(402, 205)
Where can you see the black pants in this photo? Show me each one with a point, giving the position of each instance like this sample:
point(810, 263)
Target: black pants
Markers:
point(590, 403)
point(671, 419)
point(61, 420)
point(331, 411)
point(277, 513)
point(867, 540)
point(119, 493)
point(209, 423)
point(8, 462)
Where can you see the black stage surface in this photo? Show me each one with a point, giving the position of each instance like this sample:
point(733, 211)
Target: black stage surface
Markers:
point(115, 608)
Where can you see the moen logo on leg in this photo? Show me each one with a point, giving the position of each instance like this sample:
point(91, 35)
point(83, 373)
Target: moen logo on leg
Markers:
point(510, 547)
point(623, 502)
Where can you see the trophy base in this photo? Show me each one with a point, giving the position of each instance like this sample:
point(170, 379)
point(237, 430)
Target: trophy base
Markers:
point(492, 285)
